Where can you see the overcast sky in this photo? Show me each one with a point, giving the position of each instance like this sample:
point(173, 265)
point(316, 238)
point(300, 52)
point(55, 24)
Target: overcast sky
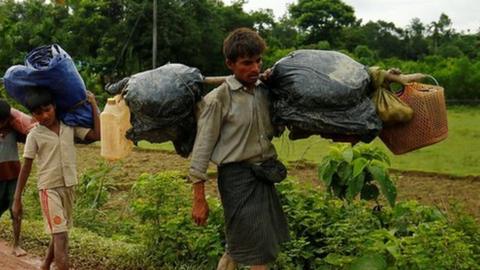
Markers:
point(465, 14)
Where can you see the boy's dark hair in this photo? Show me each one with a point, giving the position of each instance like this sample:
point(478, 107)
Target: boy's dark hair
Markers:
point(37, 98)
point(243, 42)
point(4, 110)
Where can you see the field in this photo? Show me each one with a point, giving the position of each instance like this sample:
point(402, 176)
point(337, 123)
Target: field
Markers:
point(438, 175)
point(457, 155)
point(434, 189)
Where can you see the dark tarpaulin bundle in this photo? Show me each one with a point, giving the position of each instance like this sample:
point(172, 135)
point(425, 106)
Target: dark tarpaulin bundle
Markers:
point(324, 93)
point(51, 67)
point(162, 103)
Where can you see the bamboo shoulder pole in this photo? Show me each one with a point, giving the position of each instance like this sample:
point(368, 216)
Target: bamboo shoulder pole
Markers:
point(214, 80)
point(217, 80)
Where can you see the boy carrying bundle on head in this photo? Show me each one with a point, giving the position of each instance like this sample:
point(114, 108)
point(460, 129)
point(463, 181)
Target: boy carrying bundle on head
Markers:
point(51, 143)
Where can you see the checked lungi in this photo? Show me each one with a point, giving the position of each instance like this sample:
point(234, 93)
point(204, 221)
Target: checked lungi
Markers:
point(254, 220)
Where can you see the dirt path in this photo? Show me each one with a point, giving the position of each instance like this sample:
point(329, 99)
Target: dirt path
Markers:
point(10, 262)
point(439, 190)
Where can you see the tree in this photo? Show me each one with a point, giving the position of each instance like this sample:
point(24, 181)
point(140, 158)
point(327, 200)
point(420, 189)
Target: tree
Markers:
point(283, 35)
point(365, 55)
point(26, 25)
point(385, 38)
point(382, 37)
point(440, 31)
point(450, 51)
point(353, 36)
point(469, 44)
point(322, 19)
point(416, 47)
point(263, 21)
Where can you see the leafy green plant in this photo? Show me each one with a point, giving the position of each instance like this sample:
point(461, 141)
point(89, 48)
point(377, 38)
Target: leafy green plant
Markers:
point(163, 203)
point(329, 234)
point(92, 193)
point(325, 233)
point(93, 188)
point(348, 171)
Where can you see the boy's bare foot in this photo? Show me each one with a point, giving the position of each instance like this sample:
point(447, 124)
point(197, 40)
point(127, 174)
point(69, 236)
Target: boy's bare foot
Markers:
point(18, 251)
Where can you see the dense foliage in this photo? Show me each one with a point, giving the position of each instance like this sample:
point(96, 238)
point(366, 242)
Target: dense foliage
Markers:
point(110, 39)
point(325, 233)
point(163, 204)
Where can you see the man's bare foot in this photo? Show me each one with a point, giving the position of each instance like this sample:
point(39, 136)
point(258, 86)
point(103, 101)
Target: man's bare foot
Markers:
point(226, 263)
point(18, 251)
point(44, 266)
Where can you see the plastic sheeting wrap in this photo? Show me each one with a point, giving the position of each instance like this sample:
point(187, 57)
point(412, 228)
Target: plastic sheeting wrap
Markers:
point(51, 67)
point(162, 103)
point(324, 93)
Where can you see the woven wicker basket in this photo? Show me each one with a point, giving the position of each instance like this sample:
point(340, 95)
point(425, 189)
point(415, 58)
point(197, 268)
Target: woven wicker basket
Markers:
point(429, 122)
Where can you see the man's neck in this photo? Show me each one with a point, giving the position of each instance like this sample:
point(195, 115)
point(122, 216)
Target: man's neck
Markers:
point(250, 87)
point(55, 126)
point(249, 90)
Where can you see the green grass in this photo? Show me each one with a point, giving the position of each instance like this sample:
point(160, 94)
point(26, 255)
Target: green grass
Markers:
point(458, 155)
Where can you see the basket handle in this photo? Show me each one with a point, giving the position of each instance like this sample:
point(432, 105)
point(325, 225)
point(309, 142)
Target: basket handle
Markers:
point(433, 79)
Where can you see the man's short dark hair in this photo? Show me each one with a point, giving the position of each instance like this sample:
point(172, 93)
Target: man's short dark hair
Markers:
point(4, 110)
point(36, 98)
point(243, 42)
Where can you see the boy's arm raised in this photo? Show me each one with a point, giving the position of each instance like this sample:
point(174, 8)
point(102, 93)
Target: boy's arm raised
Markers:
point(94, 134)
point(17, 207)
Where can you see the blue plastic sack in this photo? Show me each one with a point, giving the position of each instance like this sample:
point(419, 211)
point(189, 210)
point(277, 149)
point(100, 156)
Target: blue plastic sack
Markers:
point(51, 67)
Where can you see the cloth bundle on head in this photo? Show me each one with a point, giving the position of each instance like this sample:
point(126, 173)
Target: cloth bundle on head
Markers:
point(52, 68)
point(162, 103)
point(325, 93)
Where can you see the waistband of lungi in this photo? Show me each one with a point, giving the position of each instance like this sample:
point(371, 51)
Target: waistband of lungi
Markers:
point(239, 164)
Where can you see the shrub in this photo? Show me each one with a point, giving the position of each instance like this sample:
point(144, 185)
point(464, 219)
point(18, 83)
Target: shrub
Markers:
point(365, 56)
point(326, 233)
point(163, 202)
point(92, 193)
point(323, 231)
point(93, 189)
point(330, 234)
point(349, 171)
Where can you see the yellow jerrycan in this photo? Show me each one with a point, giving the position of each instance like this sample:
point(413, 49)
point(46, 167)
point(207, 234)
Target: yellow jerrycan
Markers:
point(114, 123)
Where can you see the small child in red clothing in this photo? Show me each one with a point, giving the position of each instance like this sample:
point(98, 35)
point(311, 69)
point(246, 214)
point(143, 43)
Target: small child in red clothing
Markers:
point(9, 170)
